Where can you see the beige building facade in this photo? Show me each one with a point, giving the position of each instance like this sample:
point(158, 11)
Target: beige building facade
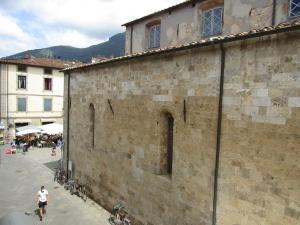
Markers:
point(198, 19)
point(31, 92)
point(201, 134)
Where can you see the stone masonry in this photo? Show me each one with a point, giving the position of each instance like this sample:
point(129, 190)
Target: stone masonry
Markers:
point(259, 171)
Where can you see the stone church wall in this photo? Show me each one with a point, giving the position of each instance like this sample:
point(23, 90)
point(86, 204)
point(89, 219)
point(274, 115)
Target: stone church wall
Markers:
point(124, 162)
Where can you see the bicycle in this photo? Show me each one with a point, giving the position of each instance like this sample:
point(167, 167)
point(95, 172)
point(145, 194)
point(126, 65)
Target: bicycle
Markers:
point(76, 188)
point(59, 176)
point(119, 216)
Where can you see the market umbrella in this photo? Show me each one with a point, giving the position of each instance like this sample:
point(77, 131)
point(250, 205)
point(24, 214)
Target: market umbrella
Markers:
point(27, 127)
point(28, 131)
point(52, 128)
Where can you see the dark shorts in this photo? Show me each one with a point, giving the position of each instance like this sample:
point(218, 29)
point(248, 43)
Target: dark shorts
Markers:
point(42, 204)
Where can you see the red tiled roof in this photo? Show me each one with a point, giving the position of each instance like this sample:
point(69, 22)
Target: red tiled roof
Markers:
point(38, 62)
point(280, 28)
point(182, 4)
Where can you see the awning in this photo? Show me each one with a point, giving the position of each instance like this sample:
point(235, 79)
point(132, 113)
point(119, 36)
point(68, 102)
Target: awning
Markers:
point(22, 120)
point(48, 120)
point(53, 128)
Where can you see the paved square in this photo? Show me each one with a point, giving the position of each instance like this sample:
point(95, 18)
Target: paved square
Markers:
point(21, 177)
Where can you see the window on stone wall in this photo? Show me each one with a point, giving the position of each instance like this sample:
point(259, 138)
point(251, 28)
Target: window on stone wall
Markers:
point(92, 124)
point(294, 8)
point(154, 36)
point(212, 22)
point(167, 128)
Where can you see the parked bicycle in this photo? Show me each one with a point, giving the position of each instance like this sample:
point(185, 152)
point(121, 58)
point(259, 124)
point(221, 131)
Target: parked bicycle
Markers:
point(59, 176)
point(75, 188)
point(119, 216)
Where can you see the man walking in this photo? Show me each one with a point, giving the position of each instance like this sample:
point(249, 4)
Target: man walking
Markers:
point(42, 201)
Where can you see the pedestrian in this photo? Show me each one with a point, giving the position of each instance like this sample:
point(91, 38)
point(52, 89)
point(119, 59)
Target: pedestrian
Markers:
point(42, 201)
point(53, 149)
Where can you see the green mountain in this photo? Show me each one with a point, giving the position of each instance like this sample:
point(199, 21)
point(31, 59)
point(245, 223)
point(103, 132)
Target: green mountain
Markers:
point(115, 46)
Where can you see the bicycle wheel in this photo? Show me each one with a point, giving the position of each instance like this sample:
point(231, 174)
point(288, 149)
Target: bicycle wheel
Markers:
point(54, 178)
point(83, 191)
point(111, 220)
point(72, 189)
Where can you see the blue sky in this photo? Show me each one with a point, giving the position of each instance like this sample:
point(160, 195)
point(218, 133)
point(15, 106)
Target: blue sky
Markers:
point(31, 24)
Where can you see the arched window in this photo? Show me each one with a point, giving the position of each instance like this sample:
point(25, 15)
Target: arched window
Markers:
point(167, 129)
point(92, 124)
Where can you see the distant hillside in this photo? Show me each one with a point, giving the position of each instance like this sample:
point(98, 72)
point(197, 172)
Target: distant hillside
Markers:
point(113, 47)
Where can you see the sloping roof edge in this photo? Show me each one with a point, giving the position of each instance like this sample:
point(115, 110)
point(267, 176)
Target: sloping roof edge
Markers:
point(280, 28)
point(8, 61)
point(174, 7)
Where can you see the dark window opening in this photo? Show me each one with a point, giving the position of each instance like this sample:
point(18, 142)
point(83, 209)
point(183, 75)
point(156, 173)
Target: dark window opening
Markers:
point(92, 124)
point(17, 125)
point(22, 68)
point(166, 145)
point(48, 84)
point(22, 82)
point(48, 71)
point(45, 123)
point(170, 122)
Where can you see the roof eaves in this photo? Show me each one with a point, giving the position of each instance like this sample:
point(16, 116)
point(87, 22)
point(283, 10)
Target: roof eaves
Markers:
point(174, 7)
point(281, 28)
point(5, 61)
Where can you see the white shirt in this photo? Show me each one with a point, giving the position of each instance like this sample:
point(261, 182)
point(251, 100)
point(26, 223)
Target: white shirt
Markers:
point(43, 195)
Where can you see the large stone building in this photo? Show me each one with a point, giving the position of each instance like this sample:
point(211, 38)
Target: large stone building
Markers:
point(197, 19)
point(198, 134)
point(31, 92)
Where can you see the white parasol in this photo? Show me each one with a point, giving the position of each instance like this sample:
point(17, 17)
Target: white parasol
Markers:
point(52, 128)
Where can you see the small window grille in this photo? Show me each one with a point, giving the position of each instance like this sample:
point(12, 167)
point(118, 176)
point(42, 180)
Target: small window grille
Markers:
point(212, 22)
point(22, 82)
point(154, 36)
point(294, 8)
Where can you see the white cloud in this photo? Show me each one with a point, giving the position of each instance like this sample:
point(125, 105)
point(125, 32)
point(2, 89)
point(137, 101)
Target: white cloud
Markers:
point(72, 22)
point(71, 38)
point(12, 37)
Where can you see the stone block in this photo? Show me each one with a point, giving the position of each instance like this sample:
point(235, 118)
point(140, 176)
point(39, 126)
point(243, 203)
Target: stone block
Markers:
point(261, 101)
point(162, 98)
point(294, 102)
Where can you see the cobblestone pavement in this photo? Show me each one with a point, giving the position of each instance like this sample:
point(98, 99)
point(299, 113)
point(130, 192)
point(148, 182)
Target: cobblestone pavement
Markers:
point(21, 177)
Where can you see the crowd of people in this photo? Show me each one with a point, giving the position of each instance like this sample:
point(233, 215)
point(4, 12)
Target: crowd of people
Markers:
point(40, 141)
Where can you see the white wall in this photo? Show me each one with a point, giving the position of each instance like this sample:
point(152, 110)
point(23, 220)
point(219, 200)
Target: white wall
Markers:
point(34, 93)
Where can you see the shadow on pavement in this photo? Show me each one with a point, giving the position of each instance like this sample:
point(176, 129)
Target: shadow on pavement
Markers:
point(52, 165)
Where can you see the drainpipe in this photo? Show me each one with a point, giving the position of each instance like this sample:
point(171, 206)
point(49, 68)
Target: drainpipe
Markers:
point(131, 42)
point(68, 126)
point(7, 98)
point(274, 12)
point(219, 130)
point(0, 91)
